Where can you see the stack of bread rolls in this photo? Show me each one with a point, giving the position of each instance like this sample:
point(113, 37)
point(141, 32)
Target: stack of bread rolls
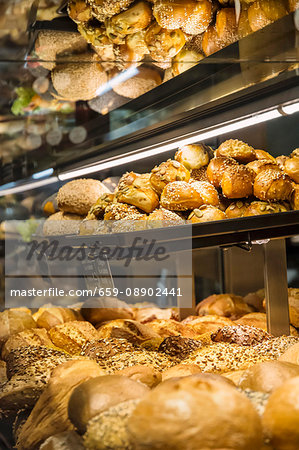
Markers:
point(121, 378)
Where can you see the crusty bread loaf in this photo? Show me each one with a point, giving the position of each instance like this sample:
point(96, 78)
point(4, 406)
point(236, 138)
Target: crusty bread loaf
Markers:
point(241, 334)
point(178, 346)
point(165, 328)
point(144, 374)
point(130, 330)
point(291, 354)
point(34, 336)
point(14, 321)
point(180, 370)
point(145, 315)
point(209, 323)
point(71, 336)
point(49, 317)
point(228, 305)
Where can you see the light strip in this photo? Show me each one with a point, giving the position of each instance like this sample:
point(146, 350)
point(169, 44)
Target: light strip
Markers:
point(291, 108)
point(28, 186)
point(197, 137)
point(43, 174)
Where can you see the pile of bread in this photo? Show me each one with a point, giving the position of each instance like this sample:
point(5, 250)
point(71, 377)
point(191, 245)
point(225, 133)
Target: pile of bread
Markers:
point(198, 185)
point(124, 378)
point(171, 35)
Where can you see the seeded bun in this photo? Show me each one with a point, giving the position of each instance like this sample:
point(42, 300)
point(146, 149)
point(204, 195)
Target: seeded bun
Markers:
point(62, 223)
point(99, 394)
point(194, 413)
point(78, 196)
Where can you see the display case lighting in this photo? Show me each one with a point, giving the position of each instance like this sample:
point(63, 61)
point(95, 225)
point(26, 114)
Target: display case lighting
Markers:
point(28, 186)
point(291, 108)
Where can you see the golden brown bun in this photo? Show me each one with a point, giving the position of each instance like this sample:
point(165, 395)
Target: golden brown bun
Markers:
point(78, 196)
point(13, 322)
point(108, 8)
point(209, 323)
point(71, 336)
point(259, 320)
point(237, 182)
point(260, 164)
point(206, 213)
point(180, 196)
point(62, 223)
point(194, 156)
point(145, 315)
point(216, 169)
point(97, 395)
point(34, 336)
point(207, 192)
point(199, 174)
point(160, 421)
point(226, 25)
point(295, 197)
point(259, 208)
point(49, 415)
point(146, 375)
point(78, 80)
point(63, 441)
point(166, 328)
point(273, 186)
point(131, 330)
point(294, 306)
point(241, 335)
point(261, 154)
point(97, 210)
point(49, 317)
point(291, 355)
point(97, 310)
point(179, 347)
point(102, 349)
point(163, 218)
point(255, 299)
point(139, 193)
point(185, 60)
point(211, 43)
point(167, 172)
point(281, 419)
point(291, 167)
point(228, 305)
point(120, 211)
point(263, 12)
point(268, 376)
point(164, 44)
point(238, 150)
point(145, 80)
point(236, 209)
point(180, 370)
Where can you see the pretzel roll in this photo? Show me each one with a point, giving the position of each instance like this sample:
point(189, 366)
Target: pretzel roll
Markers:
point(216, 169)
point(102, 9)
point(226, 25)
point(206, 213)
point(261, 164)
point(164, 44)
point(295, 197)
point(236, 209)
point(120, 211)
point(272, 186)
point(194, 156)
point(184, 60)
point(237, 182)
point(79, 11)
point(208, 193)
point(199, 174)
point(264, 12)
point(291, 168)
point(162, 218)
point(261, 154)
point(168, 172)
point(259, 208)
point(145, 80)
point(135, 19)
point(211, 43)
point(144, 198)
point(238, 150)
point(180, 196)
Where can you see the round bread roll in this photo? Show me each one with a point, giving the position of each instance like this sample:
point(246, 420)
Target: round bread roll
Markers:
point(178, 346)
point(180, 196)
point(180, 370)
point(186, 413)
point(295, 197)
point(133, 331)
point(145, 80)
point(238, 150)
point(207, 192)
point(228, 305)
point(262, 12)
point(78, 196)
point(68, 440)
point(194, 156)
point(291, 167)
point(34, 336)
point(13, 322)
point(258, 208)
point(216, 169)
point(261, 154)
point(108, 8)
point(291, 355)
point(237, 182)
point(236, 209)
point(185, 60)
point(281, 418)
point(62, 223)
point(209, 323)
point(206, 213)
point(144, 374)
point(268, 376)
point(49, 317)
point(75, 81)
point(71, 336)
point(164, 44)
point(272, 186)
point(163, 218)
point(260, 164)
point(122, 211)
point(96, 395)
point(139, 193)
point(168, 172)
point(98, 310)
point(241, 335)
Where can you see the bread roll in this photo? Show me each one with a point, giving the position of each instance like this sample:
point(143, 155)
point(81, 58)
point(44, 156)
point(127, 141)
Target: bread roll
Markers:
point(140, 194)
point(268, 376)
point(263, 12)
point(49, 416)
point(216, 169)
point(259, 320)
point(185, 60)
point(71, 336)
point(237, 182)
point(178, 346)
point(34, 337)
point(103, 309)
point(262, 154)
point(166, 328)
point(226, 25)
point(145, 80)
point(291, 355)
point(281, 419)
point(97, 211)
point(211, 43)
point(180, 370)
point(273, 186)
point(122, 211)
point(168, 172)
point(180, 196)
point(62, 223)
point(209, 323)
point(241, 334)
point(102, 349)
point(234, 376)
point(68, 440)
point(260, 208)
point(206, 213)
point(99, 394)
point(146, 375)
point(194, 156)
point(160, 420)
point(145, 315)
point(291, 167)
point(238, 150)
point(293, 5)
point(78, 196)
point(130, 330)
point(295, 197)
point(260, 164)
point(163, 218)
point(228, 305)
point(236, 209)
point(49, 317)
point(207, 191)
point(13, 322)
